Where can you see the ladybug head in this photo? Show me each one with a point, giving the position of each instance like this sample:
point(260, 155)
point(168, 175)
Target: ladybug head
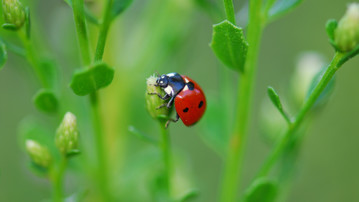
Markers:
point(162, 81)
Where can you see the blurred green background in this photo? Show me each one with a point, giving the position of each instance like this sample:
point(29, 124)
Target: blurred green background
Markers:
point(173, 36)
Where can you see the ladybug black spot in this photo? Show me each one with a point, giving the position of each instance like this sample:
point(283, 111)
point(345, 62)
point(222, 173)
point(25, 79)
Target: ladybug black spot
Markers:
point(200, 104)
point(190, 85)
point(185, 109)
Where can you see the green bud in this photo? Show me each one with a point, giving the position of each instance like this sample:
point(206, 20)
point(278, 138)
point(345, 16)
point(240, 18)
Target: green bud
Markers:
point(39, 154)
point(153, 101)
point(67, 134)
point(14, 13)
point(347, 32)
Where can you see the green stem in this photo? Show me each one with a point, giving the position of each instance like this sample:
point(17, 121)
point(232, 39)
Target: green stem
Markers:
point(245, 90)
point(105, 26)
point(82, 35)
point(276, 152)
point(228, 5)
point(81, 30)
point(58, 178)
point(33, 59)
point(166, 155)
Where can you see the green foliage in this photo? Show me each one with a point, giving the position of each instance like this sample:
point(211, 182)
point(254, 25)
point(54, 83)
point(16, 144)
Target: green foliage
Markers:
point(189, 196)
point(3, 55)
point(46, 101)
point(87, 81)
point(119, 6)
point(229, 45)
point(282, 7)
point(262, 190)
point(324, 96)
point(142, 136)
point(274, 97)
point(10, 27)
point(330, 27)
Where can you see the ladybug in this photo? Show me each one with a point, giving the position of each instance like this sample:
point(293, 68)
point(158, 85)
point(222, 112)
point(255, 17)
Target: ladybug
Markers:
point(186, 94)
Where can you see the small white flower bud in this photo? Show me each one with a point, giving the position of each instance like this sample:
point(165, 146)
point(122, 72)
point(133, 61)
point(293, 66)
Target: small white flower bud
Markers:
point(67, 134)
point(347, 32)
point(39, 154)
point(309, 64)
point(14, 13)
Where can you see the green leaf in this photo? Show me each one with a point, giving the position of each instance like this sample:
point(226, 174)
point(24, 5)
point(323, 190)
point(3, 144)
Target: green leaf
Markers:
point(274, 97)
point(46, 101)
point(262, 190)
point(324, 96)
point(281, 8)
point(9, 26)
point(229, 45)
point(330, 27)
point(3, 55)
point(72, 153)
point(89, 80)
point(119, 6)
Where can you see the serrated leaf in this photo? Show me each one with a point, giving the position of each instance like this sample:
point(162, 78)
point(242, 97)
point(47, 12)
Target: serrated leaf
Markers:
point(229, 45)
point(324, 96)
point(330, 27)
point(118, 6)
point(72, 153)
point(262, 190)
point(3, 55)
point(281, 7)
point(89, 80)
point(274, 97)
point(9, 26)
point(46, 101)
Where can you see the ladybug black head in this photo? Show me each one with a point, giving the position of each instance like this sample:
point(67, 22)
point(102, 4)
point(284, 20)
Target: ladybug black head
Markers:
point(162, 81)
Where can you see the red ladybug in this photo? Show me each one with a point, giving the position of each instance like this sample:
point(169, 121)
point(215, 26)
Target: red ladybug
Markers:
point(186, 94)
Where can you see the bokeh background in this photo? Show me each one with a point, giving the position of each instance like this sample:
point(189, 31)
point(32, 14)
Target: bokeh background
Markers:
point(173, 36)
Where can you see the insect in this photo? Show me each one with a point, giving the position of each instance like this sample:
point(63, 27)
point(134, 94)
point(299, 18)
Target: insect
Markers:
point(186, 94)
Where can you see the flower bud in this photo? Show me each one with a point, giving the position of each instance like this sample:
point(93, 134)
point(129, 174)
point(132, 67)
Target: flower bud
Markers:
point(67, 134)
point(38, 153)
point(309, 64)
point(347, 32)
point(14, 13)
point(153, 101)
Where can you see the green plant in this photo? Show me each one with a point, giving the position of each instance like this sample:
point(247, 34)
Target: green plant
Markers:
point(107, 95)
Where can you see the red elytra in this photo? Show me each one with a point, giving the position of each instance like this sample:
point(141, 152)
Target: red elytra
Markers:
point(190, 104)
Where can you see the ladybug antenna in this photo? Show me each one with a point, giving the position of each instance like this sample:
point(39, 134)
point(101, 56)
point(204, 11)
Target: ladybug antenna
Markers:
point(158, 75)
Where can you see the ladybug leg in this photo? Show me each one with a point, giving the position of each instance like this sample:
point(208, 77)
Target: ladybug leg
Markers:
point(170, 103)
point(165, 97)
point(162, 105)
point(172, 120)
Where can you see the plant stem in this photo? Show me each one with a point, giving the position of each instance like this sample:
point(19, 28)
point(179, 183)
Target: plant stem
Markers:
point(228, 4)
point(166, 155)
point(238, 137)
point(276, 152)
point(105, 26)
point(82, 35)
point(58, 177)
point(81, 30)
